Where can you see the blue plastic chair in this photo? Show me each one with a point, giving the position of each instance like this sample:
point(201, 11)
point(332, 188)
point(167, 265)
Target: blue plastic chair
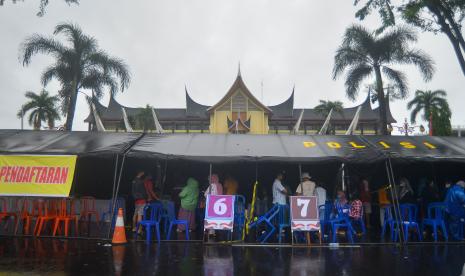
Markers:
point(170, 214)
point(283, 220)
point(435, 219)
point(409, 220)
point(239, 215)
point(106, 214)
point(151, 218)
point(342, 221)
point(388, 221)
point(326, 220)
point(266, 219)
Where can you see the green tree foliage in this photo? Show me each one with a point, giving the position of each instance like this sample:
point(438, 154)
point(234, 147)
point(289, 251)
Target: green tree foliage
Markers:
point(42, 108)
point(325, 107)
point(434, 106)
point(445, 16)
point(78, 66)
point(363, 54)
point(145, 118)
point(43, 4)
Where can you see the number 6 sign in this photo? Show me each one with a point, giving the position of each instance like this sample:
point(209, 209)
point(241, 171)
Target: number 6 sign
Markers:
point(304, 213)
point(219, 212)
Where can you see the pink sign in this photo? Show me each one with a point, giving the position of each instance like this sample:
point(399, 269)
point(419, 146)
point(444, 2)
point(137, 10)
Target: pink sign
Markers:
point(220, 206)
point(219, 212)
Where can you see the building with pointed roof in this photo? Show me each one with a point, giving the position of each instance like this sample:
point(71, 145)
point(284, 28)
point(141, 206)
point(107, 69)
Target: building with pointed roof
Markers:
point(239, 111)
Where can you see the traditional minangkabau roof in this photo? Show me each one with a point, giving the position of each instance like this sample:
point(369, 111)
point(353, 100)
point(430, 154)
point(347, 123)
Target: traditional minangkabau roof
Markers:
point(239, 84)
point(284, 111)
point(347, 114)
point(100, 110)
point(194, 109)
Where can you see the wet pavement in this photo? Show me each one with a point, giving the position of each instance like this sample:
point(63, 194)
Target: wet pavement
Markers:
point(93, 257)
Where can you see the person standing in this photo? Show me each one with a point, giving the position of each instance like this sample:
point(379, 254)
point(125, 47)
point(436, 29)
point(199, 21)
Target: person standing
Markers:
point(148, 183)
point(140, 195)
point(230, 185)
point(306, 187)
point(320, 193)
point(365, 197)
point(189, 196)
point(384, 203)
point(215, 187)
point(279, 192)
point(455, 207)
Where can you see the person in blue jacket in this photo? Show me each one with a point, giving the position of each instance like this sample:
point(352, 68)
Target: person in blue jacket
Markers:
point(455, 204)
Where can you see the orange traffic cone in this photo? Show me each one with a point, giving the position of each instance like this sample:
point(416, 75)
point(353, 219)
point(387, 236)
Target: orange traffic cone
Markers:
point(119, 234)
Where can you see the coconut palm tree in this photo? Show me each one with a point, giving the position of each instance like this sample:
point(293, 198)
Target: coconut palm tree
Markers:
point(432, 103)
point(78, 66)
point(42, 108)
point(364, 53)
point(325, 107)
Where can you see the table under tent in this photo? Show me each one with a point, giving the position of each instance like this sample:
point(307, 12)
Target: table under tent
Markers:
point(107, 162)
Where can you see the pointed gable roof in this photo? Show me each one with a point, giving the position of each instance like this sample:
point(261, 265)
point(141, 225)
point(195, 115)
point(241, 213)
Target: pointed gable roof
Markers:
point(100, 110)
point(286, 108)
point(239, 84)
point(194, 109)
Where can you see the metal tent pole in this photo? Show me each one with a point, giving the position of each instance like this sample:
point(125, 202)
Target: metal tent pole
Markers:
point(395, 199)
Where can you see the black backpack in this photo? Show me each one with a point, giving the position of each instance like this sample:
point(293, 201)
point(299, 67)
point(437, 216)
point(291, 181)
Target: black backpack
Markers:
point(138, 189)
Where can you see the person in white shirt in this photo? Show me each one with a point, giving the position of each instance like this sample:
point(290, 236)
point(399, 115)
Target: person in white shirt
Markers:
point(306, 187)
point(279, 192)
point(320, 193)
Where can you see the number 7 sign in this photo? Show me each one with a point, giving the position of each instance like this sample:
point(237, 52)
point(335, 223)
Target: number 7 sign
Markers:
point(304, 213)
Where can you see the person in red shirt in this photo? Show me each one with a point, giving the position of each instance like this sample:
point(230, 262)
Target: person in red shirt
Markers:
point(365, 197)
point(148, 184)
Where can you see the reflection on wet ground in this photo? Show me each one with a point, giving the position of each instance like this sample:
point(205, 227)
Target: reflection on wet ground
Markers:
point(92, 257)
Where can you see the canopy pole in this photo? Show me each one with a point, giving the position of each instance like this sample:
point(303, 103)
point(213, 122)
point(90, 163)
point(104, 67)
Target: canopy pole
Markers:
point(115, 175)
point(116, 195)
point(343, 177)
point(300, 172)
point(210, 174)
point(395, 199)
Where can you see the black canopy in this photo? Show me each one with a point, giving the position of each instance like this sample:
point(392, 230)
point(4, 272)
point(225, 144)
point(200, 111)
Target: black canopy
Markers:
point(219, 148)
point(60, 142)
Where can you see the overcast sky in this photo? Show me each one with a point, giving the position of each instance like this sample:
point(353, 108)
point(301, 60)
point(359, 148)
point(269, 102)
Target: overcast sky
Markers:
point(172, 43)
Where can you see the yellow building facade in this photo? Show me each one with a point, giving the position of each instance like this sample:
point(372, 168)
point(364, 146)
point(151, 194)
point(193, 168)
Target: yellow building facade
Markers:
point(239, 112)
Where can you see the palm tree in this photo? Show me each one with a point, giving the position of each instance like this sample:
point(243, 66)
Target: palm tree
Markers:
point(81, 65)
point(43, 109)
point(145, 118)
point(432, 103)
point(364, 53)
point(325, 107)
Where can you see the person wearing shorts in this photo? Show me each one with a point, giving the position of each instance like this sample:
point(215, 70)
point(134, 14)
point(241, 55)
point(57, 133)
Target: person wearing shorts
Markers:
point(140, 195)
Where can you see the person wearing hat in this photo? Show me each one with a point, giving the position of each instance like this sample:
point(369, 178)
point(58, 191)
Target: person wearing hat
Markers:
point(306, 187)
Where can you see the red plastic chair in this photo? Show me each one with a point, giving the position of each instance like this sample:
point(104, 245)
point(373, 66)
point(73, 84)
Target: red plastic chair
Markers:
point(22, 205)
point(5, 212)
point(88, 210)
point(49, 214)
point(66, 214)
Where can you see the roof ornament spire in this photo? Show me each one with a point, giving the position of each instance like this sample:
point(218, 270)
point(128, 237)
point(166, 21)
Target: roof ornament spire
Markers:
point(239, 70)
